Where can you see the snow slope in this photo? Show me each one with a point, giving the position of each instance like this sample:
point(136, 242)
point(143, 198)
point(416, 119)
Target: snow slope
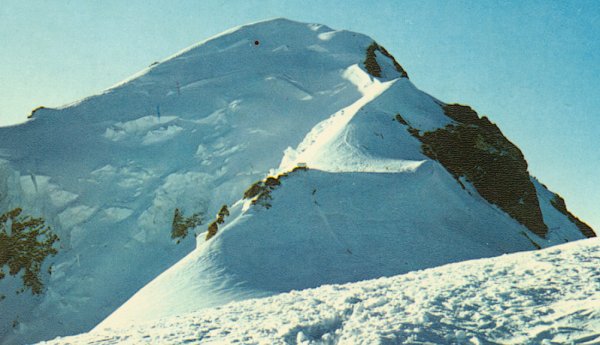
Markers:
point(193, 132)
point(550, 296)
point(370, 205)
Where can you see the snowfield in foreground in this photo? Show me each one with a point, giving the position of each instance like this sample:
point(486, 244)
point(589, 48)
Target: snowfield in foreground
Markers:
point(551, 296)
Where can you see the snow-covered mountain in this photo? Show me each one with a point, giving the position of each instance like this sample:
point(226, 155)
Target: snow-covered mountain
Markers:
point(487, 301)
point(385, 184)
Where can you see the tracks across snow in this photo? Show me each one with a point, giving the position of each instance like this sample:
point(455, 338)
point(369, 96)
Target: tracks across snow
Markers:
point(550, 296)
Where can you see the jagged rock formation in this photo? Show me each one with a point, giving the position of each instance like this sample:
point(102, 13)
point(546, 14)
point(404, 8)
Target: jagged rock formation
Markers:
point(476, 149)
point(559, 203)
point(374, 68)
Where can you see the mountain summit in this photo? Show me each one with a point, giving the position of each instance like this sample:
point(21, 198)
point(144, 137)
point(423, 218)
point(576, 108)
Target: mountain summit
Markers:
point(295, 154)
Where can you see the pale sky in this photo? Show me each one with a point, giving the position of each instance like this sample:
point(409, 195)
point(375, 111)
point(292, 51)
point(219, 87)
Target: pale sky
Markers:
point(533, 68)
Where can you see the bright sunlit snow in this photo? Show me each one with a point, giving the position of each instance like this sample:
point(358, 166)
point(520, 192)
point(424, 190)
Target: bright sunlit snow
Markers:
point(193, 132)
point(544, 297)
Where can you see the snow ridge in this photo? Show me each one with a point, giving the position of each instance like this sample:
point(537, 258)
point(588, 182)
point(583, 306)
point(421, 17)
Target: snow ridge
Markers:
point(325, 147)
point(192, 133)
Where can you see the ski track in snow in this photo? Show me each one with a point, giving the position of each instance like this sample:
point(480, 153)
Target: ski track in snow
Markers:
point(550, 296)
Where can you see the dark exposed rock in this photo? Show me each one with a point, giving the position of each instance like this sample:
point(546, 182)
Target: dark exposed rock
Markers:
point(254, 190)
point(461, 113)
point(373, 67)
point(181, 225)
point(259, 192)
point(559, 203)
point(272, 181)
point(25, 243)
point(298, 168)
point(213, 227)
point(400, 119)
point(223, 212)
point(474, 148)
point(212, 230)
point(32, 114)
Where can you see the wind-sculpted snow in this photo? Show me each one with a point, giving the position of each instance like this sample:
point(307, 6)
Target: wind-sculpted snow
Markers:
point(321, 227)
point(550, 296)
point(192, 133)
point(326, 146)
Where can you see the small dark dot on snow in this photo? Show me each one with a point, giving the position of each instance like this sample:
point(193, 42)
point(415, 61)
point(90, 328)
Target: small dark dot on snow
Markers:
point(256, 43)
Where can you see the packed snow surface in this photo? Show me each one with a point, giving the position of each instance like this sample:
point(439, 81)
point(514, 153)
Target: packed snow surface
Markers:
point(551, 296)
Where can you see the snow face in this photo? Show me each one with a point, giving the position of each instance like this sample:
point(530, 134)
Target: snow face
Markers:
point(329, 228)
point(342, 222)
point(193, 132)
point(318, 149)
point(488, 301)
point(369, 194)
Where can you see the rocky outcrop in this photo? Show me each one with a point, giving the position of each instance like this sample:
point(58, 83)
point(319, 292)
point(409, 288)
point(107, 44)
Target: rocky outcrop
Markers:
point(559, 203)
point(474, 148)
point(373, 67)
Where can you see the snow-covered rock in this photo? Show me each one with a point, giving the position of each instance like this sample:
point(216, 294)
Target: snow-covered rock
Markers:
point(550, 296)
point(196, 130)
